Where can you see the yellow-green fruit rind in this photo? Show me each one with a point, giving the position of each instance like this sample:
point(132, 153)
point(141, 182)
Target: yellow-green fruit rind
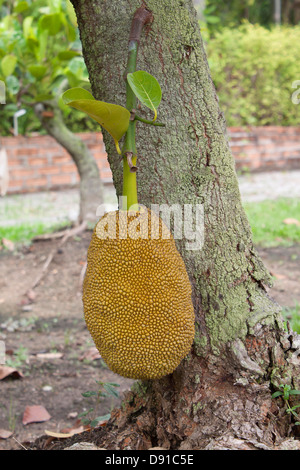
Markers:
point(137, 297)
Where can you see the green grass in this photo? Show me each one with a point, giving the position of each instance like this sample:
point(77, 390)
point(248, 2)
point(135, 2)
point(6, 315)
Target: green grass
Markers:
point(25, 232)
point(266, 220)
point(292, 314)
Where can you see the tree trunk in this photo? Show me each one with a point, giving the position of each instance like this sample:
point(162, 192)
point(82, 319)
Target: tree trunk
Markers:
point(286, 11)
point(91, 189)
point(220, 395)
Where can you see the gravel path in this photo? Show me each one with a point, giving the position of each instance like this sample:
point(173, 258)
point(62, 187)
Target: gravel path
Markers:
point(259, 186)
point(60, 206)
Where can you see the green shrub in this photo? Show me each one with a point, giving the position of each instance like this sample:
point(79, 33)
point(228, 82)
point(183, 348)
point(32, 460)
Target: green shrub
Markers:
point(40, 56)
point(253, 69)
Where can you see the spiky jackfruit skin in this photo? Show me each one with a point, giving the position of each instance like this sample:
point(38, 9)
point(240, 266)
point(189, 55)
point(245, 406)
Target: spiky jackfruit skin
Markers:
point(137, 296)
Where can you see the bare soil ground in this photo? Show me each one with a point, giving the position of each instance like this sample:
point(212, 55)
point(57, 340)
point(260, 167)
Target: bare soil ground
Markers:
point(51, 322)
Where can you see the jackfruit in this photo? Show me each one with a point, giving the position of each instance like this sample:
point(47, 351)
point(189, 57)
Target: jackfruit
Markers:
point(137, 295)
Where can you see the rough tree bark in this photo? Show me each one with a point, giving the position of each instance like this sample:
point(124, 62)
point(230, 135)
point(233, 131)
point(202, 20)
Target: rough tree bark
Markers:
point(91, 188)
point(220, 395)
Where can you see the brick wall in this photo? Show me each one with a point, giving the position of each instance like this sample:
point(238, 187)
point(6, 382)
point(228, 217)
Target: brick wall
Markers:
point(39, 163)
point(265, 148)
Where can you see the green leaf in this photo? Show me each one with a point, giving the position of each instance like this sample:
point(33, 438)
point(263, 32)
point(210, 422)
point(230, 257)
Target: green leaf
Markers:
point(76, 94)
point(43, 97)
point(286, 391)
point(71, 32)
point(212, 19)
point(20, 7)
point(89, 394)
point(32, 43)
point(85, 421)
point(77, 66)
point(295, 407)
point(67, 55)
point(71, 13)
point(72, 79)
point(27, 25)
point(110, 390)
point(85, 413)
point(37, 71)
point(8, 64)
point(97, 420)
point(277, 394)
point(146, 88)
point(114, 118)
point(43, 40)
point(12, 84)
point(113, 384)
point(294, 392)
point(51, 23)
point(55, 5)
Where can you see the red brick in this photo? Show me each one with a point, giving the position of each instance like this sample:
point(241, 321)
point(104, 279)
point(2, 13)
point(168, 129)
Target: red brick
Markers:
point(15, 184)
point(61, 159)
point(40, 162)
point(49, 170)
point(33, 161)
point(14, 162)
point(61, 179)
point(21, 173)
point(36, 182)
point(67, 168)
point(12, 152)
point(99, 154)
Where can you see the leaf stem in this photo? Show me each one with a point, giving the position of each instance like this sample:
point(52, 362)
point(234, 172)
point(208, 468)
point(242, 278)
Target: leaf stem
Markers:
point(147, 121)
point(141, 17)
point(129, 178)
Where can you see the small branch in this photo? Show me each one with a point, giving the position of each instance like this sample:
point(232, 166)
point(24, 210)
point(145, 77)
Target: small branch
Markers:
point(19, 443)
point(146, 121)
point(70, 233)
point(141, 17)
point(50, 236)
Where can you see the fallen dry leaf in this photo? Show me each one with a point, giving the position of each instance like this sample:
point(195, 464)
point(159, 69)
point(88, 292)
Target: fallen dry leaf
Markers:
point(291, 222)
point(90, 354)
point(6, 371)
point(77, 428)
point(35, 414)
point(49, 356)
point(8, 244)
point(58, 435)
point(4, 434)
point(68, 432)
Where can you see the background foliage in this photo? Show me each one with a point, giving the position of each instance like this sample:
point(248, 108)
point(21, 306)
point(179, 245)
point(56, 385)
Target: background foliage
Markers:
point(253, 69)
point(40, 52)
point(253, 62)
